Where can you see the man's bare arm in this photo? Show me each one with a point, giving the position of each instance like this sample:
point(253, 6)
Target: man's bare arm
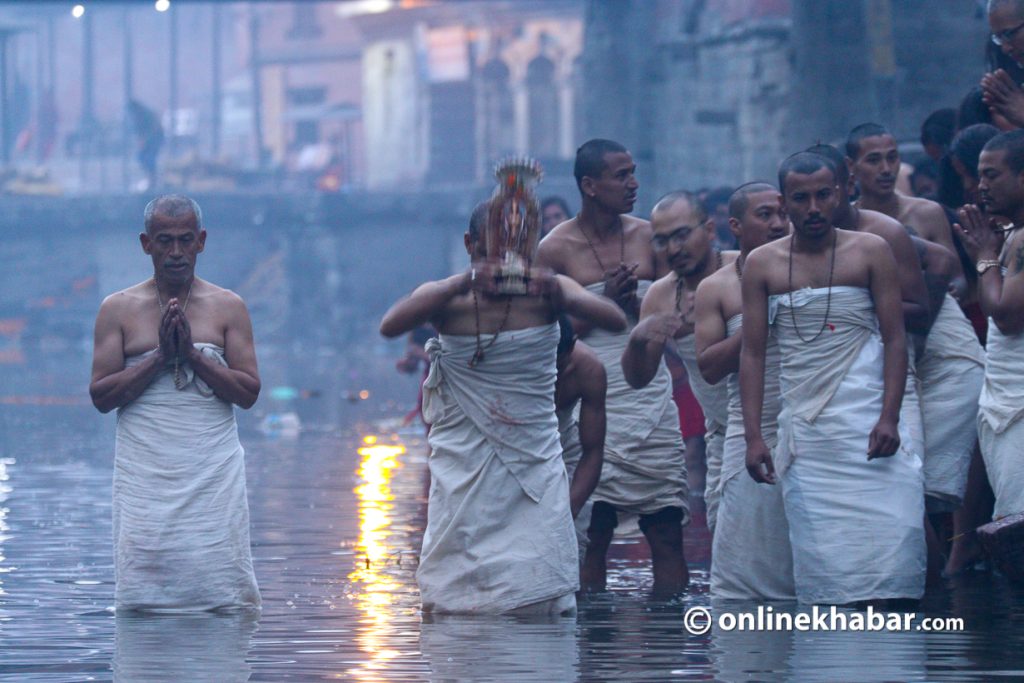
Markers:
point(423, 305)
point(642, 357)
point(596, 311)
point(112, 384)
point(940, 266)
point(752, 362)
point(884, 438)
point(718, 355)
point(592, 431)
point(941, 233)
point(912, 289)
point(239, 382)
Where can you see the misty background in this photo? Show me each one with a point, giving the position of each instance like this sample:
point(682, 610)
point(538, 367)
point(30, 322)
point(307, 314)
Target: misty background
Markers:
point(338, 147)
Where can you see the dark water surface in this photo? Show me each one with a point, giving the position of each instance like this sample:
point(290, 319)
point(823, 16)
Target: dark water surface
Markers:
point(337, 516)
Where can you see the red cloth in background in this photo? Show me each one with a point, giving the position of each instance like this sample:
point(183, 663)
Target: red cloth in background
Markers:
point(978, 320)
point(691, 417)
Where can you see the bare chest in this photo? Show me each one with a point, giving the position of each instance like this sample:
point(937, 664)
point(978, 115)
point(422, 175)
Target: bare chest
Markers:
point(141, 330)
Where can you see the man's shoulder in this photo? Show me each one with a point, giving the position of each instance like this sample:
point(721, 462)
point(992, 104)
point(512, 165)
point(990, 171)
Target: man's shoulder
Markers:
point(662, 286)
point(865, 240)
point(714, 284)
point(556, 242)
point(878, 223)
point(589, 369)
point(921, 208)
point(125, 300)
point(634, 226)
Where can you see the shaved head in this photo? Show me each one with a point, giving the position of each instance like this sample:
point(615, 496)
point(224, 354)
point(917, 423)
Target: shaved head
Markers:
point(739, 201)
point(672, 198)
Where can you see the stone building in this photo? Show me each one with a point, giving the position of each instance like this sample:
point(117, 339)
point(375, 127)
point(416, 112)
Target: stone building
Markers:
point(717, 92)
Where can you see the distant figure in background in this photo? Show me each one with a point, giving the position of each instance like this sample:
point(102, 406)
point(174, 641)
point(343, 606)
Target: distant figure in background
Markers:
point(716, 204)
point(1001, 92)
point(937, 132)
point(174, 354)
point(149, 138)
point(553, 210)
point(924, 180)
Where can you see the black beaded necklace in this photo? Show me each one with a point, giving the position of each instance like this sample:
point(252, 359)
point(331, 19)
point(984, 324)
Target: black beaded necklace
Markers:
point(828, 305)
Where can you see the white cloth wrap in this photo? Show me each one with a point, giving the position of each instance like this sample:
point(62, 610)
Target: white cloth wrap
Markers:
point(714, 403)
point(499, 530)
point(572, 452)
point(751, 558)
point(1000, 427)
point(950, 373)
point(855, 526)
point(180, 514)
point(644, 469)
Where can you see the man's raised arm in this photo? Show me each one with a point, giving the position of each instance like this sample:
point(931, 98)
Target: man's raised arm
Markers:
point(597, 311)
point(642, 357)
point(718, 355)
point(423, 304)
point(112, 384)
point(752, 361)
point(1002, 298)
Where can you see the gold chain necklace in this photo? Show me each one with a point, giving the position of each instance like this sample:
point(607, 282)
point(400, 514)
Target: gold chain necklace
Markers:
point(739, 267)
point(178, 382)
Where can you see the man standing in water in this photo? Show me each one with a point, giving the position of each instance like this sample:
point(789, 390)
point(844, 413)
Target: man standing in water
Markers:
point(999, 255)
point(499, 534)
point(852, 497)
point(751, 557)
point(609, 252)
point(685, 233)
point(173, 354)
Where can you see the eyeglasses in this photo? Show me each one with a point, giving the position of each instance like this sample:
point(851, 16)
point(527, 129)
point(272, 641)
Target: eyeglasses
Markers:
point(1007, 35)
point(676, 238)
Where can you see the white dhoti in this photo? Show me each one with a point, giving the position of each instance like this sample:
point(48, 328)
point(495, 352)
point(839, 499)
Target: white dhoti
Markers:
point(644, 470)
point(950, 373)
point(856, 526)
point(751, 558)
point(572, 452)
point(181, 519)
point(714, 402)
point(499, 534)
point(1000, 427)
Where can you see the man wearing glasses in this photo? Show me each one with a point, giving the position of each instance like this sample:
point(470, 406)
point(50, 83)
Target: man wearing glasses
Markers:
point(999, 91)
point(685, 235)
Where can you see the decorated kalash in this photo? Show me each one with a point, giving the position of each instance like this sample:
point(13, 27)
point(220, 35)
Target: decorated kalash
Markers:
point(513, 224)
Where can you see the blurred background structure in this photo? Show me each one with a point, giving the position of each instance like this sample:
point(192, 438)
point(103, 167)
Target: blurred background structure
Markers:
point(338, 147)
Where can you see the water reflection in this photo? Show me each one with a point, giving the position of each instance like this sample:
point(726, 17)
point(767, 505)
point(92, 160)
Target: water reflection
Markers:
point(466, 648)
point(5, 491)
point(376, 590)
point(186, 647)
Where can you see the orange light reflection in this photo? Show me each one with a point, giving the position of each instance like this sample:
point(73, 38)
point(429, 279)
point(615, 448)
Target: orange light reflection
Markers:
point(375, 587)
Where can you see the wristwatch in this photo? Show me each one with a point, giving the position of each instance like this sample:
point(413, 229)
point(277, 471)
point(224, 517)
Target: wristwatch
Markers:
point(985, 264)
